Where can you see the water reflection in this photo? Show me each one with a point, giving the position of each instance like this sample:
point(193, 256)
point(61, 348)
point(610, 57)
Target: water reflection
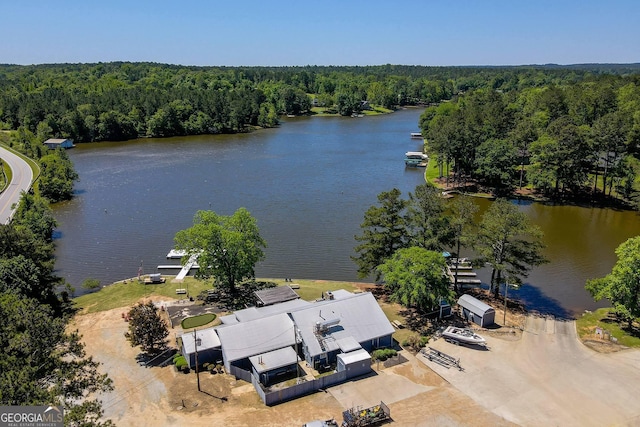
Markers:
point(308, 183)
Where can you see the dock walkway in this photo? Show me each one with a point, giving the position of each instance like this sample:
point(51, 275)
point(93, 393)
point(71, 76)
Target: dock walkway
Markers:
point(464, 273)
point(184, 269)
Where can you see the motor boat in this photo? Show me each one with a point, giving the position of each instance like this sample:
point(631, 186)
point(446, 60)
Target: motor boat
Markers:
point(457, 335)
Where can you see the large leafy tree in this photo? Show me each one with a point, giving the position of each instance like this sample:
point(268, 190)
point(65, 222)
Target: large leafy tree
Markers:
point(41, 363)
point(622, 285)
point(35, 214)
point(416, 278)
point(26, 265)
point(227, 247)
point(562, 157)
point(609, 134)
point(146, 328)
point(509, 243)
point(383, 232)
point(495, 163)
point(57, 176)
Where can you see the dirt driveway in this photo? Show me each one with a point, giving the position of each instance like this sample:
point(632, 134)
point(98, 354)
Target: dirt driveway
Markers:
point(158, 396)
point(547, 378)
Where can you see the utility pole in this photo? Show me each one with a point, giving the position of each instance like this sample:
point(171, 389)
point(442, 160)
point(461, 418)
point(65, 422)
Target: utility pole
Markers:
point(504, 319)
point(195, 340)
point(516, 286)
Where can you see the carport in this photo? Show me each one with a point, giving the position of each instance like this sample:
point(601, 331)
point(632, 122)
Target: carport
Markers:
point(474, 310)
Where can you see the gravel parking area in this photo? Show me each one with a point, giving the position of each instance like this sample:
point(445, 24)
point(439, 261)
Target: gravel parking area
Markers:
point(160, 396)
point(542, 376)
point(548, 377)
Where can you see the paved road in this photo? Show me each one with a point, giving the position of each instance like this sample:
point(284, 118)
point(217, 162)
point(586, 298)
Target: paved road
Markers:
point(20, 181)
point(548, 378)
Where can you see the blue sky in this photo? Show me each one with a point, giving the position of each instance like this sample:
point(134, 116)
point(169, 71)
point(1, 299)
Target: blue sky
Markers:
point(236, 33)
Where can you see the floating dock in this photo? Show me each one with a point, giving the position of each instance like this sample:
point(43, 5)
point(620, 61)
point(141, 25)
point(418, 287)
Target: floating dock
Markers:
point(184, 269)
point(175, 254)
point(466, 277)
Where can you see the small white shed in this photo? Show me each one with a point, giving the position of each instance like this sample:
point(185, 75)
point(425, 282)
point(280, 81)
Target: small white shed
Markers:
point(356, 363)
point(476, 311)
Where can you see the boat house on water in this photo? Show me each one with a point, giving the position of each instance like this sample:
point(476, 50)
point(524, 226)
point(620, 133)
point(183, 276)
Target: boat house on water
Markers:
point(53, 143)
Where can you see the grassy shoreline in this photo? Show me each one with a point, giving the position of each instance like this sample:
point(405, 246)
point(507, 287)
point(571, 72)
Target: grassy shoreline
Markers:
point(128, 291)
point(605, 320)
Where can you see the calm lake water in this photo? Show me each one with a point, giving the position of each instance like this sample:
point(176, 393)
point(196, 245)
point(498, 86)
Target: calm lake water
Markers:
point(308, 183)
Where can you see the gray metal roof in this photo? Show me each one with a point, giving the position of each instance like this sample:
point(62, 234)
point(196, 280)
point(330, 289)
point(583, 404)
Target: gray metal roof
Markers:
point(276, 295)
point(474, 305)
point(245, 339)
point(360, 318)
point(348, 344)
point(274, 359)
point(253, 313)
point(228, 319)
point(208, 339)
point(338, 294)
point(354, 356)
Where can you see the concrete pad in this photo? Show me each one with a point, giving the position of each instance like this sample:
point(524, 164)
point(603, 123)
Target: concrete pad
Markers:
point(548, 377)
point(385, 386)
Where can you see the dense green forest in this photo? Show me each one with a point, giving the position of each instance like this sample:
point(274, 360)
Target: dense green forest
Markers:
point(119, 101)
point(570, 139)
point(559, 130)
point(41, 361)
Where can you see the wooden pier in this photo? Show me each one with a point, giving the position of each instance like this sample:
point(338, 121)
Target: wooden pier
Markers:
point(464, 273)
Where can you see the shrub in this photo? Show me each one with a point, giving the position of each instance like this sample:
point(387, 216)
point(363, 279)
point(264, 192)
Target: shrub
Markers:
point(383, 354)
point(91, 284)
point(415, 342)
point(180, 363)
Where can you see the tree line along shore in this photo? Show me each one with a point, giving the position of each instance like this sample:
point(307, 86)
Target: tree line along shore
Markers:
point(562, 131)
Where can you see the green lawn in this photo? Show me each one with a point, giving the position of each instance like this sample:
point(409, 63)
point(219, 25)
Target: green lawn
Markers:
point(197, 321)
point(586, 326)
point(121, 294)
point(432, 171)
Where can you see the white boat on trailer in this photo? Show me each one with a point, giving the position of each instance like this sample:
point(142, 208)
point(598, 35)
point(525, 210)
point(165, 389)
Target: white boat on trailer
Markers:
point(458, 336)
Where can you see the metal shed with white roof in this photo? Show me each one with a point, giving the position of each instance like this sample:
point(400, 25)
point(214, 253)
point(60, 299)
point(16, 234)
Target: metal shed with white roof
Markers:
point(356, 363)
point(476, 311)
